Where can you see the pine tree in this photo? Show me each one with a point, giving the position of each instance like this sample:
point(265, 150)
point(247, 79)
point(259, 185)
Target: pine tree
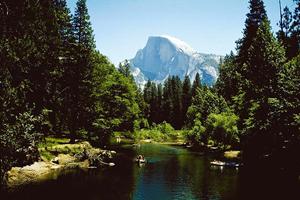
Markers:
point(186, 97)
point(159, 103)
point(176, 118)
point(22, 55)
point(167, 105)
point(266, 57)
point(82, 26)
point(64, 20)
point(78, 95)
point(241, 64)
point(64, 52)
point(147, 98)
point(116, 106)
point(286, 115)
point(295, 32)
point(153, 103)
point(284, 34)
point(227, 84)
point(254, 19)
point(124, 68)
point(196, 84)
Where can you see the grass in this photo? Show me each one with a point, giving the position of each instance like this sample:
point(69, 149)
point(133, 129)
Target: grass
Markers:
point(51, 141)
point(46, 155)
point(51, 147)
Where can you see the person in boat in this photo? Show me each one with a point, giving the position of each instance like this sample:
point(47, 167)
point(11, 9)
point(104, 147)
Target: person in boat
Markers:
point(140, 158)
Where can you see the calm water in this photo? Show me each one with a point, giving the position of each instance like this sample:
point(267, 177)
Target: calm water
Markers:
point(171, 173)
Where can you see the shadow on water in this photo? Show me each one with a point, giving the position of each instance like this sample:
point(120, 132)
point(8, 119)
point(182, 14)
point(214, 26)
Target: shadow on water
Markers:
point(170, 173)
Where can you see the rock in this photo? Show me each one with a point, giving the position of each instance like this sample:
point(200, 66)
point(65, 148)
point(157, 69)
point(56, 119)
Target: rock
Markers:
point(69, 156)
point(37, 172)
point(64, 159)
point(54, 160)
point(96, 157)
point(42, 171)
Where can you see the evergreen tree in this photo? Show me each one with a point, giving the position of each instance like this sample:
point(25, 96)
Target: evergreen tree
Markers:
point(196, 84)
point(64, 50)
point(23, 49)
point(176, 118)
point(204, 103)
point(229, 78)
point(295, 32)
point(186, 97)
point(254, 19)
point(82, 26)
point(124, 68)
point(286, 115)
point(265, 60)
point(284, 33)
point(78, 98)
point(160, 118)
point(167, 105)
point(153, 103)
point(116, 104)
point(147, 98)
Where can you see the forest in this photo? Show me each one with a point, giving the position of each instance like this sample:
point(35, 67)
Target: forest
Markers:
point(54, 82)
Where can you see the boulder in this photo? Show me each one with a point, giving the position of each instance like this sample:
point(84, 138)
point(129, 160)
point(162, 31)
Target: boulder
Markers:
point(37, 172)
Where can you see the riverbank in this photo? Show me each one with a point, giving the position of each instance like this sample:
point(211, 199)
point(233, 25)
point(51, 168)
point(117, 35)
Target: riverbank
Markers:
point(178, 139)
point(56, 157)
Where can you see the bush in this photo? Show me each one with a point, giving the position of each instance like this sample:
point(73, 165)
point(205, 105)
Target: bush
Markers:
point(165, 128)
point(18, 142)
point(159, 133)
point(197, 134)
point(140, 124)
point(222, 128)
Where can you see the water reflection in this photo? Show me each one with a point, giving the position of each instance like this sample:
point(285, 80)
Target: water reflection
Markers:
point(170, 173)
point(175, 173)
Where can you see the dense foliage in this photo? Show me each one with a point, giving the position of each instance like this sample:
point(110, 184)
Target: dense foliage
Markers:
point(170, 102)
point(260, 83)
point(53, 81)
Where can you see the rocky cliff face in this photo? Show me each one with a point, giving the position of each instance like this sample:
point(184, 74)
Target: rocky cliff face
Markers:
point(165, 56)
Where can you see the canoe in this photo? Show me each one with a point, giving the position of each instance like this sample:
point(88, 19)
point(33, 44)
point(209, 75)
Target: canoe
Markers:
point(217, 163)
point(228, 164)
point(140, 160)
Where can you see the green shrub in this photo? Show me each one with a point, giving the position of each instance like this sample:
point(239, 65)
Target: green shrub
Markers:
point(222, 128)
point(165, 128)
point(18, 142)
point(198, 133)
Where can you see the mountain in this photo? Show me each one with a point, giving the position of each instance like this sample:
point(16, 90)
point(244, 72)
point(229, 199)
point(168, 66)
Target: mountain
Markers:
point(165, 56)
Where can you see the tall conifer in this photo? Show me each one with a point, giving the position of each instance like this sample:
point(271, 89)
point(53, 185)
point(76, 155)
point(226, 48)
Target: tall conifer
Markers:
point(186, 97)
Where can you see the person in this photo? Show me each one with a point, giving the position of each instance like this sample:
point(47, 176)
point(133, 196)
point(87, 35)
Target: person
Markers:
point(140, 157)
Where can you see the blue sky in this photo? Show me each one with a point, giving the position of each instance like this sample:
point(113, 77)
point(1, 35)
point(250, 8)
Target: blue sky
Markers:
point(121, 27)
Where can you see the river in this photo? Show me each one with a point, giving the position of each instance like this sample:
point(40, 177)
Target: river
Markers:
point(171, 173)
